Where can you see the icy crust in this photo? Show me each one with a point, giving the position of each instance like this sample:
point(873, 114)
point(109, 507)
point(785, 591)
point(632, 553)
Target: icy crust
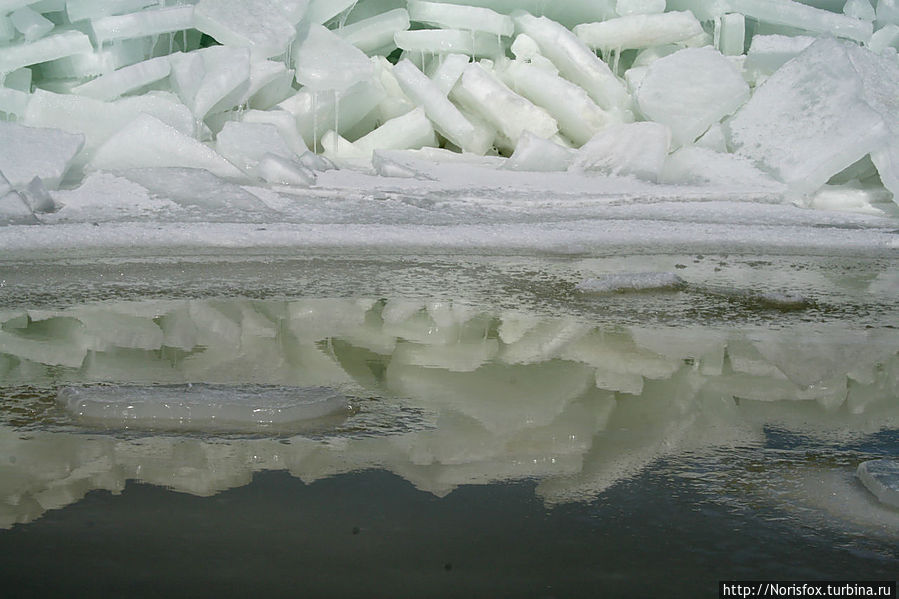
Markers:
point(497, 395)
point(761, 94)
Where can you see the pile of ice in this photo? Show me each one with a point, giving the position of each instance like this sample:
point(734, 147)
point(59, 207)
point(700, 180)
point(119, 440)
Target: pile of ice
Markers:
point(684, 91)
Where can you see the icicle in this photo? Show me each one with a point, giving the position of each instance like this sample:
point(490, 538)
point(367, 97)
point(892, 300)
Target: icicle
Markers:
point(717, 35)
point(336, 121)
point(171, 42)
point(617, 56)
point(315, 122)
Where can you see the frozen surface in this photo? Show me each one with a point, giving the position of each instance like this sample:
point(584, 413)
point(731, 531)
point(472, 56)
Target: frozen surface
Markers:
point(624, 282)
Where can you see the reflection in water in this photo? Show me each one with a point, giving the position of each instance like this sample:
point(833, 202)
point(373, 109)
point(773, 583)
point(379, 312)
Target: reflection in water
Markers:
point(445, 394)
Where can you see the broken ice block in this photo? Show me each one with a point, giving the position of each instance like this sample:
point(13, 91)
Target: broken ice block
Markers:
point(29, 152)
point(639, 7)
point(449, 41)
point(326, 61)
point(202, 406)
point(767, 53)
point(467, 18)
point(30, 23)
point(148, 142)
point(412, 130)
point(446, 117)
point(376, 33)
point(577, 63)
point(637, 149)
point(124, 80)
point(97, 120)
point(245, 144)
point(697, 165)
point(881, 477)
point(639, 31)
point(255, 24)
point(511, 114)
point(286, 124)
point(537, 154)
point(691, 90)
point(20, 55)
point(731, 33)
point(211, 79)
point(79, 10)
point(802, 16)
point(578, 116)
point(279, 170)
point(816, 115)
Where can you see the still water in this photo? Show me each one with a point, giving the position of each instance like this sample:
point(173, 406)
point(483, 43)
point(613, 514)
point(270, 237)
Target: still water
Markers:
point(509, 430)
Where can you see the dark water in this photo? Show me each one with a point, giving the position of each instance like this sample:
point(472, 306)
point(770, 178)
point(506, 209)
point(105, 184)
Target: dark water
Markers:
point(643, 444)
point(372, 534)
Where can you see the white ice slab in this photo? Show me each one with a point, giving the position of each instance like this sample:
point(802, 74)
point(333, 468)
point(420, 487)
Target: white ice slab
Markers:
point(211, 80)
point(246, 144)
point(537, 154)
point(29, 152)
point(375, 33)
point(690, 90)
point(511, 114)
point(449, 41)
point(255, 24)
point(124, 80)
point(148, 142)
point(52, 47)
point(577, 63)
point(143, 23)
point(99, 120)
point(635, 149)
point(812, 118)
point(467, 18)
point(578, 115)
point(325, 61)
point(446, 117)
point(639, 31)
point(79, 10)
point(30, 24)
point(201, 406)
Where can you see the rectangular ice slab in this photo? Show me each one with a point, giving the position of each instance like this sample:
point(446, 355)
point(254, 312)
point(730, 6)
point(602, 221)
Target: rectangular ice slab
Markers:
point(126, 79)
point(201, 406)
point(810, 119)
point(376, 33)
point(142, 24)
point(468, 18)
point(639, 31)
point(447, 119)
point(47, 48)
point(511, 114)
point(29, 152)
point(577, 63)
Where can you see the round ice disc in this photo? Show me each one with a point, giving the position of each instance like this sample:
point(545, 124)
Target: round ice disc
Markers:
point(201, 406)
point(881, 477)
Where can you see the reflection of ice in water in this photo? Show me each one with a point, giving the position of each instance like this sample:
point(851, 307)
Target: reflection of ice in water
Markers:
point(499, 395)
